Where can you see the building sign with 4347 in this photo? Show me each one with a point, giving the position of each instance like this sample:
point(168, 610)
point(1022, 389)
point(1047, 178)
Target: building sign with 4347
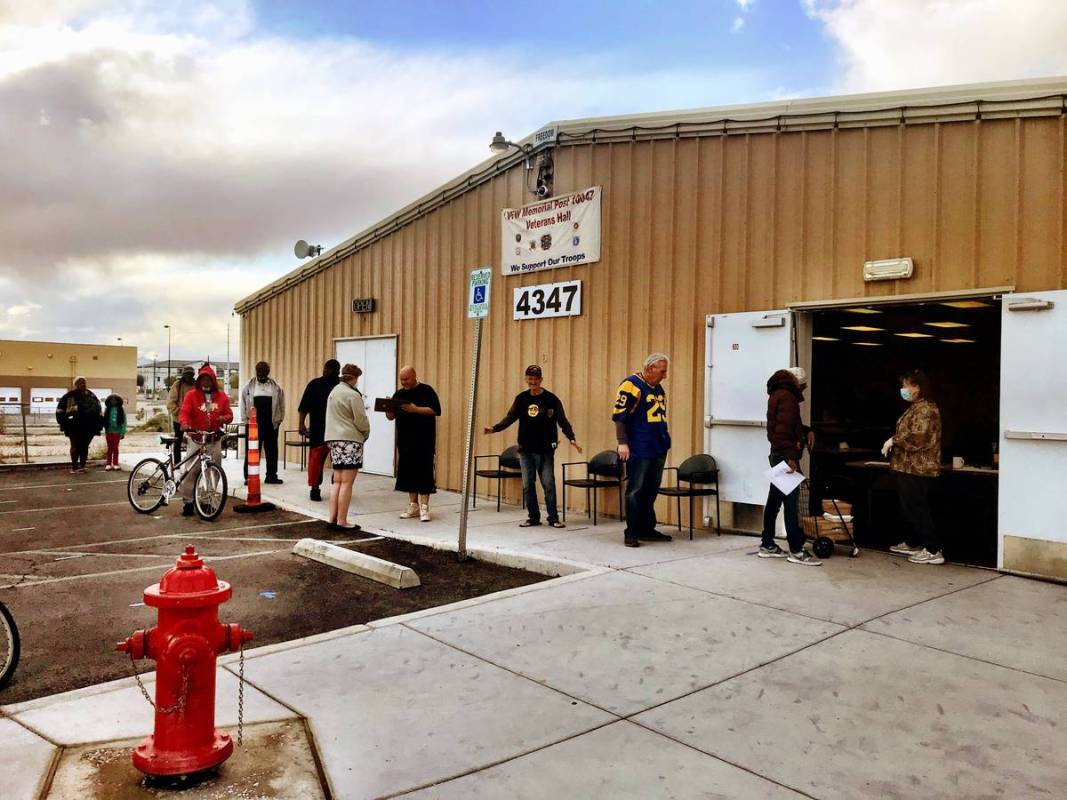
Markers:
point(548, 300)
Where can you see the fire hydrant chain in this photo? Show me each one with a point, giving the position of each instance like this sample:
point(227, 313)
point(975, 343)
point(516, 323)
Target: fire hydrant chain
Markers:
point(178, 706)
point(241, 699)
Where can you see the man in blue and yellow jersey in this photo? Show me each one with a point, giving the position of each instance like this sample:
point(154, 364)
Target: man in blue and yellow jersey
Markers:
point(640, 417)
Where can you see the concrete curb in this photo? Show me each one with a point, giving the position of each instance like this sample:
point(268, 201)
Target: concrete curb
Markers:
point(375, 569)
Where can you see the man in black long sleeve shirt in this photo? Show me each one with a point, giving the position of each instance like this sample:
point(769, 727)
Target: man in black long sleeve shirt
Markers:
point(540, 414)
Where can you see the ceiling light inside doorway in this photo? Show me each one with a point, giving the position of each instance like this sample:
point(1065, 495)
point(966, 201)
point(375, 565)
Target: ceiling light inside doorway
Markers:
point(915, 335)
point(862, 311)
point(958, 341)
point(867, 344)
point(825, 339)
point(966, 304)
point(947, 324)
point(862, 328)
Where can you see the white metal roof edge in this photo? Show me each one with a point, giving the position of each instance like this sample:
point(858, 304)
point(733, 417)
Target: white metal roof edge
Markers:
point(1003, 98)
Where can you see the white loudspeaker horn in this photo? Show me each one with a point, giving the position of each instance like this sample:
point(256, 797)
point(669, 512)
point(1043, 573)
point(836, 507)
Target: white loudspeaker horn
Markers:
point(302, 249)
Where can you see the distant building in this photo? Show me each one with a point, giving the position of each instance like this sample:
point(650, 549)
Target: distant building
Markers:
point(154, 373)
point(39, 373)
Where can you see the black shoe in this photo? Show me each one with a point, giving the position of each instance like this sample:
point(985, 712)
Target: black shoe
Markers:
point(315, 494)
point(631, 541)
point(274, 479)
point(654, 536)
point(188, 510)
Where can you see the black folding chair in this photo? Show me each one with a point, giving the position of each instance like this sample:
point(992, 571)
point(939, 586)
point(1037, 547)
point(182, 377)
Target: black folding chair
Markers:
point(506, 465)
point(601, 471)
point(698, 471)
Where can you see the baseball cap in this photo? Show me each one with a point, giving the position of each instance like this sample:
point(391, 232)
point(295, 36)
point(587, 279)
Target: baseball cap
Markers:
point(534, 370)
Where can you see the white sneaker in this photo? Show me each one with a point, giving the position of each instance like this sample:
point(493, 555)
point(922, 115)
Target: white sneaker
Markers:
point(924, 556)
point(424, 513)
point(412, 512)
point(804, 558)
point(904, 549)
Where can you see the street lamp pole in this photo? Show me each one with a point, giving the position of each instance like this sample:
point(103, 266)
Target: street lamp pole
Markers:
point(168, 350)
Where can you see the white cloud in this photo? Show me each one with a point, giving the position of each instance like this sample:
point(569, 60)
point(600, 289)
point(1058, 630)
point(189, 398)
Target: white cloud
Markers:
point(745, 5)
point(739, 23)
point(22, 310)
point(159, 165)
point(914, 43)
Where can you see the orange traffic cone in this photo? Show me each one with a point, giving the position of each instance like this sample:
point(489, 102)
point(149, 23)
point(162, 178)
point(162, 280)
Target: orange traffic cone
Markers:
point(253, 503)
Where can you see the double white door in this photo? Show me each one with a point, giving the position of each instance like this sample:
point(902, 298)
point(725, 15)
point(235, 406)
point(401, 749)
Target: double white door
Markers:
point(377, 358)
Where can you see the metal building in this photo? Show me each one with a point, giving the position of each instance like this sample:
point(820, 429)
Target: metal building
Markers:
point(737, 239)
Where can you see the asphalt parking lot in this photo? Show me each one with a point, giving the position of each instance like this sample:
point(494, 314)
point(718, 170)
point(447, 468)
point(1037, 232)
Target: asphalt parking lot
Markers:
point(75, 559)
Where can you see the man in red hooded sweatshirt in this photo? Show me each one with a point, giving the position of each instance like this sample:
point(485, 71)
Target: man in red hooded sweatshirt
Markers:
point(205, 408)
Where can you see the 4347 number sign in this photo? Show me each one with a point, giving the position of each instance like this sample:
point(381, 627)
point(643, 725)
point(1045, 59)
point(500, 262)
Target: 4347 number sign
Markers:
point(548, 300)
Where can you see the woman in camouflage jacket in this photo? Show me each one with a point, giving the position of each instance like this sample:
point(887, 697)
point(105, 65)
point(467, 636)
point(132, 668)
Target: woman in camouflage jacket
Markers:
point(915, 462)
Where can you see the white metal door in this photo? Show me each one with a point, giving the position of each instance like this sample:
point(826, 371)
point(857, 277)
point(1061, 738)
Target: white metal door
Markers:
point(1033, 418)
point(743, 351)
point(44, 401)
point(377, 358)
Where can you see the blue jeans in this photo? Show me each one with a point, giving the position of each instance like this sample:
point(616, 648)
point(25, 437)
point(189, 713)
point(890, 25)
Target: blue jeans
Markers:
point(643, 478)
point(543, 466)
point(794, 534)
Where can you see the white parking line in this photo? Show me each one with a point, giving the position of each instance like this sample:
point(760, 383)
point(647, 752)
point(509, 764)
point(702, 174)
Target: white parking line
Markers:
point(57, 485)
point(65, 508)
point(154, 567)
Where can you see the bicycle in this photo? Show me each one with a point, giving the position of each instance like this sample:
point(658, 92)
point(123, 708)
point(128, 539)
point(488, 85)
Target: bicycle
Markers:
point(154, 482)
point(9, 646)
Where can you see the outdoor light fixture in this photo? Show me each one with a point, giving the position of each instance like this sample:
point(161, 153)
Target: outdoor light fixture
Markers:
point(887, 269)
point(545, 167)
point(1030, 304)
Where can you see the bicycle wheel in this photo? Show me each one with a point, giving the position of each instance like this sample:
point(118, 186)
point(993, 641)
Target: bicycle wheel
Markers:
point(209, 492)
point(146, 485)
point(9, 645)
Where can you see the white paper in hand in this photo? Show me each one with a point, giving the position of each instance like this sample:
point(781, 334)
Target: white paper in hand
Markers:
point(781, 477)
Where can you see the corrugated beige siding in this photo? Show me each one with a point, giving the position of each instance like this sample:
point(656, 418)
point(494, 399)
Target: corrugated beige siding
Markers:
point(690, 227)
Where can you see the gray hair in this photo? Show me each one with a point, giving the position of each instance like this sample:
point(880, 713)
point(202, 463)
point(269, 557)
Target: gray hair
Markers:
point(655, 357)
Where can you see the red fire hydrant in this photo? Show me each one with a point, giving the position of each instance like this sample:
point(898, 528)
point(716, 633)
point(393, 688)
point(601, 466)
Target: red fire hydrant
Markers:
point(184, 645)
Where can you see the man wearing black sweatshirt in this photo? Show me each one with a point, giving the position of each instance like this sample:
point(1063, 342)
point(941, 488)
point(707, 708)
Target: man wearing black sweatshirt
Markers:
point(540, 415)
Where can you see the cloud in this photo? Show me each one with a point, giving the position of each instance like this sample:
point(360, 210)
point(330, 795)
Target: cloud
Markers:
point(158, 165)
point(739, 23)
point(745, 5)
point(914, 43)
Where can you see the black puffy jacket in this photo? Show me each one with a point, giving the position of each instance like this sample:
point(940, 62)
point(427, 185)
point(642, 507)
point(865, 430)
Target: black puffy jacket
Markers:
point(785, 430)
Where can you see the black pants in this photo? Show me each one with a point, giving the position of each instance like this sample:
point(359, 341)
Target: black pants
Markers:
point(178, 442)
point(794, 534)
point(643, 478)
point(914, 492)
point(79, 448)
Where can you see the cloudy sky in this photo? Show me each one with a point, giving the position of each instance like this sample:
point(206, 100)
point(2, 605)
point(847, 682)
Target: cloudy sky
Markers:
point(159, 158)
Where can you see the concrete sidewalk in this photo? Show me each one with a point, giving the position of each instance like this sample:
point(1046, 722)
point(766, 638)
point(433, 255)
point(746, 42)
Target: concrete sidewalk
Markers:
point(675, 670)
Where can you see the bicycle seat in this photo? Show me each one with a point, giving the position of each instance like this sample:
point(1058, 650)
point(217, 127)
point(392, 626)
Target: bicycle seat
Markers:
point(167, 440)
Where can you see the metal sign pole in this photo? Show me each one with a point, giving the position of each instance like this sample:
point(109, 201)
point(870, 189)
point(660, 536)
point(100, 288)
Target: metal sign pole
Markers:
point(469, 448)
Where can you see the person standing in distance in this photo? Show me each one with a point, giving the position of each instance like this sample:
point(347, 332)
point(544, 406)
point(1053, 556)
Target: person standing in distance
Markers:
point(265, 395)
point(313, 405)
point(540, 414)
point(640, 417)
point(175, 399)
point(416, 442)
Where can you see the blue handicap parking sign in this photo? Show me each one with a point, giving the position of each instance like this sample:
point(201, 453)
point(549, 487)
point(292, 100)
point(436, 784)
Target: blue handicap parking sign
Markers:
point(479, 294)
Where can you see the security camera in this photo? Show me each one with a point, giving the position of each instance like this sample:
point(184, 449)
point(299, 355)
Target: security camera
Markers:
point(541, 191)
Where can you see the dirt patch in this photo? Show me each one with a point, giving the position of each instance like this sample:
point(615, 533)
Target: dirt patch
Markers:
point(71, 612)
